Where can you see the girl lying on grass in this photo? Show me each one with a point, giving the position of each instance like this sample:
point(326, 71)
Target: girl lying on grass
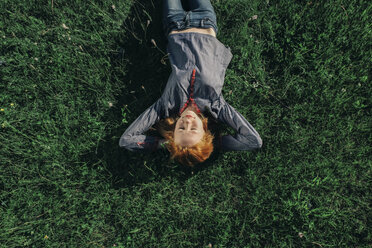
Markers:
point(198, 62)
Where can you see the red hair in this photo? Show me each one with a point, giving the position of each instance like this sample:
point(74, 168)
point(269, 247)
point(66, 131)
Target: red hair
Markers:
point(186, 155)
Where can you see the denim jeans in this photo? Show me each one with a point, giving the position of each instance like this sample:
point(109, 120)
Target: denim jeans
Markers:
point(200, 15)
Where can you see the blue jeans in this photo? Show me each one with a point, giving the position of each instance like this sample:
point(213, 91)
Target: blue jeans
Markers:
point(200, 15)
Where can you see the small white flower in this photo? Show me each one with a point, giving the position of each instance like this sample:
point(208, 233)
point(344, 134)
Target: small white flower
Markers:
point(153, 42)
point(254, 17)
point(64, 26)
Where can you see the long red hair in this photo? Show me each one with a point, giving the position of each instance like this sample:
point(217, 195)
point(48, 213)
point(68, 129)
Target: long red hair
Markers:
point(186, 155)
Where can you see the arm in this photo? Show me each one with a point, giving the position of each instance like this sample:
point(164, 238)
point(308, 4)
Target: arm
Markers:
point(246, 137)
point(133, 138)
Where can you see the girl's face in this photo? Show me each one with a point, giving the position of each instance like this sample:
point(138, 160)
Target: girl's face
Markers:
point(189, 129)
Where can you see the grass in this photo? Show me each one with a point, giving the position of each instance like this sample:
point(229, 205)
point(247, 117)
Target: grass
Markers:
point(75, 74)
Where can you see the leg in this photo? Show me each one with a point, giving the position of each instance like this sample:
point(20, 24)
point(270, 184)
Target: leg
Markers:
point(173, 13)
point(201, 6)
point(202, 14)
point(185, 5)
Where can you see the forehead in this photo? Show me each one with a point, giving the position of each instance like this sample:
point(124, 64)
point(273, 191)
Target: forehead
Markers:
point(187, 142)
point(187, 139)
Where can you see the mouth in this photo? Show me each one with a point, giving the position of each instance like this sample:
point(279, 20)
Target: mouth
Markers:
point(189, 116)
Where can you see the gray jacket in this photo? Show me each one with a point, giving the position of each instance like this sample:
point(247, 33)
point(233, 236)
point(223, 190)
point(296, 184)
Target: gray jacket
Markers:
point(205, 58)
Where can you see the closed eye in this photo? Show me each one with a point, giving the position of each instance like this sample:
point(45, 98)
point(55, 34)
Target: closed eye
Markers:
point(181, 128)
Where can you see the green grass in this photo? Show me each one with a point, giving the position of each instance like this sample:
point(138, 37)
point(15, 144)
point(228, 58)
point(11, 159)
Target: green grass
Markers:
point(75, 74)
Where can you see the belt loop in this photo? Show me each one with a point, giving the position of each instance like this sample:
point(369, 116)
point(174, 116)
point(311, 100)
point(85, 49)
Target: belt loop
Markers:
point(202, 23)
point(187, 19)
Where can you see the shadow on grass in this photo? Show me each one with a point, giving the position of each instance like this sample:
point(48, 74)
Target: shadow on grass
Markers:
point(147, 71)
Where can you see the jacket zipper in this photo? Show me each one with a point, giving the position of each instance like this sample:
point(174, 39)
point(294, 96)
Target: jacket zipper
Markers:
point(191, 99)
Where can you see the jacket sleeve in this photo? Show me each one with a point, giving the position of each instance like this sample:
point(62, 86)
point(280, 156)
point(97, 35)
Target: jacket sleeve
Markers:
point(133, 138)
point(246, 137)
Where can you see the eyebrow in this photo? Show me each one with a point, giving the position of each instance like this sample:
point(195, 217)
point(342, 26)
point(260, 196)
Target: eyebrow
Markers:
point(194, 131)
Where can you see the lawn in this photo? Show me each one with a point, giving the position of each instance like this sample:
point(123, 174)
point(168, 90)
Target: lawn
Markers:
point(75, 74)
